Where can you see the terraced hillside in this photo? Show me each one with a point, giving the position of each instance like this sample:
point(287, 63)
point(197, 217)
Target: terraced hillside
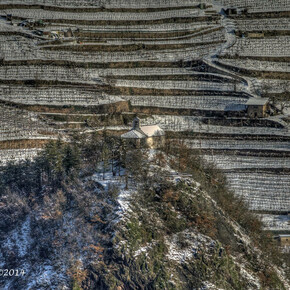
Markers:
point(191, 68)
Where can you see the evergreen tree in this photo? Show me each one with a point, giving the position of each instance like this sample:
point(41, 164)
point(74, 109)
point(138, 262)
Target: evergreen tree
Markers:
point(71, 158)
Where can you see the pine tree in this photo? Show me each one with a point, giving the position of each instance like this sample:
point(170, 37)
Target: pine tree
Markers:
point(71, 158)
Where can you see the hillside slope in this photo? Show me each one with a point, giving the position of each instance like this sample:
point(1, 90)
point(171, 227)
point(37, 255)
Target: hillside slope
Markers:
point(147, 227)
point(79, 66)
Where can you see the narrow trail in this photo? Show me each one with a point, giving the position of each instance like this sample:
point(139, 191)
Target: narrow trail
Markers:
point(251, 85)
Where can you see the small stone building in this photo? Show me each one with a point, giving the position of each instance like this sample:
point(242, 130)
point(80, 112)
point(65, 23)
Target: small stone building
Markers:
point(230, 11)
point(257, 107)
point(256, 35)
point(152, 136)
point(68, 33)
point(284, 240)
point(202, 6)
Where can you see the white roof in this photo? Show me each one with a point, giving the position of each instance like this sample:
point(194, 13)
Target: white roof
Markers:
point(145, 131)
point(151, 131)
point(257, 101)
point(133, 134)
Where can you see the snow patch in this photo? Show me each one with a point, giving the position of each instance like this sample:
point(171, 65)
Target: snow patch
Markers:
point(196, 243)
point(20, 239)
point(209, 286)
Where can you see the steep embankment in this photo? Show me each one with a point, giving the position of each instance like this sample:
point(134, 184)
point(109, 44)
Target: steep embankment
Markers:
point(141, 225)
point(174, 235)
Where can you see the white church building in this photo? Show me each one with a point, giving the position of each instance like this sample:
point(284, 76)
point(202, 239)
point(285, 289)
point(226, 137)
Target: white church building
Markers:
point(152, 136)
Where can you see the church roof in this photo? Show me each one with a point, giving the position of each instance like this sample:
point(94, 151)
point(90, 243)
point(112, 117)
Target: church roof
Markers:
point(257, 101)
point(133, 134)
point(152, 131)
point(145, 131)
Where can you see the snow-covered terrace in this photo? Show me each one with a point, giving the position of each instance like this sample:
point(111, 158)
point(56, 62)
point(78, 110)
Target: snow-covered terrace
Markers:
point(230, 162)
point(257, 65)
point(150, 3)
point(193, 124)
point(181, 85)
point(164, 27)
point(17, 124)
point(263, 191)
point(231, 144)
point(257, 5)
point(96, 16)
point(263, 24)
point(46, 72)
point(194, 39)
point(58, 96)
point(186, 102)
point(19, 48)
point(108, 4)
point(275, 86)
point(276, 46)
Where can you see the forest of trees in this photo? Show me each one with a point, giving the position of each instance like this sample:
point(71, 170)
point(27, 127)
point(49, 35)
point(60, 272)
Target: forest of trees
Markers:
point(64, 161)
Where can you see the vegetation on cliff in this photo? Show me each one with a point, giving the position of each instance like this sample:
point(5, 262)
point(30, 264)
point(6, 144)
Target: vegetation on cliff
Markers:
point(179, 226)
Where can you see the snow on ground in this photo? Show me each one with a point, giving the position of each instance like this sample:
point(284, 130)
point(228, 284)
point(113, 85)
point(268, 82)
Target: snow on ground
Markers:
point(36, 276)
point(19, 239)
point(124, 200)
point(108, 181)
point(230, 162)
point(45, 278)
point(230, 144)
point(262, 191)
point(194, 124)
point(52, 15)
point(209, 286)
point(197, 243)
point(276, 222)
point(254, 282)
point(216, 103)
point(17, 155)
point(144, 249)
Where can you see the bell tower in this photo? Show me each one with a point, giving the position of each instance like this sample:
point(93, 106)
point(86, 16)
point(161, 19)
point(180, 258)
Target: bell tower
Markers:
point(136, 124)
